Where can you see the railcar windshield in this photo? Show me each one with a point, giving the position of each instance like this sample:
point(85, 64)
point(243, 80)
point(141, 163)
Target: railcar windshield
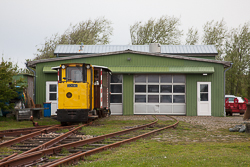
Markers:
point(75, 74)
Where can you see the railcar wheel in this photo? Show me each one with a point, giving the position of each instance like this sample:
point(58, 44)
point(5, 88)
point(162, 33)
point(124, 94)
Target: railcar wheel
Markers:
point(64, 123)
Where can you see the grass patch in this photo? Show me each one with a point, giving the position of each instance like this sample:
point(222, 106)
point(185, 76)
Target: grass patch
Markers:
point(187, 145)
point(147, 152)
point(64, 151)
point(106, 125)
point(62, 131)
point(12, 123)
point(6, 151)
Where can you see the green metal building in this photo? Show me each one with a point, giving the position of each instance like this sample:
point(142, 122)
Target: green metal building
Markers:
point(146, 79)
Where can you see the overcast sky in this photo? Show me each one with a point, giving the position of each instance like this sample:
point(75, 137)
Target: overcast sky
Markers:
point(26, 23)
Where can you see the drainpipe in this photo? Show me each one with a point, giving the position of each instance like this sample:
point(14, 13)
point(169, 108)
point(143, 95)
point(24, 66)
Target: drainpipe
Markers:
point(34, 72)
point(225, 86)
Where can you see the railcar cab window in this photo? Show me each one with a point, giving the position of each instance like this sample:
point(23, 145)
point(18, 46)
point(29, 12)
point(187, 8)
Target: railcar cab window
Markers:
point(76, 74)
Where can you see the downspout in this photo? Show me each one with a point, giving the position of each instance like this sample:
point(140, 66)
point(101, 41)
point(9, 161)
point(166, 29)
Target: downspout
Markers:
point(34, 94)
point(225, 86)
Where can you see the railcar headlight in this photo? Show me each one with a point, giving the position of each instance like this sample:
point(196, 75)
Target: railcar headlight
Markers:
point(69, 95)
point(63, 66)
point(88, 66)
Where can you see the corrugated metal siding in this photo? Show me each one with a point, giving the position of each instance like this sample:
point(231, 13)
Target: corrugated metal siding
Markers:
point(216, 79)
point(136, 60)
point(217, 97)
point(174, 49)
point(128, 95)
point(218, 91)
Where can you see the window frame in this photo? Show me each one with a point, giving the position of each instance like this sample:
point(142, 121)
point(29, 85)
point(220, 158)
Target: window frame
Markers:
point(118, 83)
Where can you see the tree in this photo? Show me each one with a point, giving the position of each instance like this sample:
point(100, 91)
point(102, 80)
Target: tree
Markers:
point(238, 52)
point(8, 90)
point(90, 32)
point(164, 31)
point(192, 36)
point(215, 34)
point(47, 51)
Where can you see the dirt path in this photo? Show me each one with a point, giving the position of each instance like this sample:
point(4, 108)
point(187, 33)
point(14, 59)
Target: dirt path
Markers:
point(212, 123)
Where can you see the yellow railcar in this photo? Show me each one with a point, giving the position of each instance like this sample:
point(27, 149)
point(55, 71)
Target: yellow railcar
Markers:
point(80, 89)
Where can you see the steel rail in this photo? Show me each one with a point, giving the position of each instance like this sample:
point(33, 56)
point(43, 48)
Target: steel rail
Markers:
point(57, 149)
point(6, 158)
point(21, 129)
point(17, 133)
point(22, 160)
point(54, 141)
point(25, 137)
point(73, 159)
point(24, 131)
point(58, 160)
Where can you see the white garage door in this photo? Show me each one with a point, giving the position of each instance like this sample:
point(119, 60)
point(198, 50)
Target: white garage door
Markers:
point(160, 94)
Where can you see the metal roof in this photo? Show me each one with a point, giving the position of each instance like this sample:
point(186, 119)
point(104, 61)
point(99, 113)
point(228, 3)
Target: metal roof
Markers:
point(33, 63)
point(165, 49)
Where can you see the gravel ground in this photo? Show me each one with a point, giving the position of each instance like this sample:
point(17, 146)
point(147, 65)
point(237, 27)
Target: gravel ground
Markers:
point(209, 122)
point(212, 123)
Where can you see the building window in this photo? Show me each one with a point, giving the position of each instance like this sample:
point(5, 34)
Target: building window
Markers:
point(116, 89)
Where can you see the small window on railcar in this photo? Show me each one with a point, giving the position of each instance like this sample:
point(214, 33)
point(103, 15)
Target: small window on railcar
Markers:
point(75, 74)
point(96, 74)
point(104, 78)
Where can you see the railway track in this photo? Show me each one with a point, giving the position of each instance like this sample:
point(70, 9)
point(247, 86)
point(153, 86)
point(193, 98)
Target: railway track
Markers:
point(77, 150)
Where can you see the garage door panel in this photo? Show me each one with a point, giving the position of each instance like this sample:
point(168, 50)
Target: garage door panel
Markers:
point(140, 108)
point(179, 109)
point(153, 109)
point(166, 109)
point(160, 94)
point(116, 109)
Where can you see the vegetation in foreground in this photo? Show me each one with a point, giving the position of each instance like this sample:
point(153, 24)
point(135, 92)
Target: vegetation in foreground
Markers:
point(187, 145)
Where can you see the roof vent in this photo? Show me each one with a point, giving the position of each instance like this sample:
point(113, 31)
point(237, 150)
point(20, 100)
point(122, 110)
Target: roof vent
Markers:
point(81, 46)
point(154, 48)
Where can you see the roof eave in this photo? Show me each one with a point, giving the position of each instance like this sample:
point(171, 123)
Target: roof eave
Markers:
point(33, 63)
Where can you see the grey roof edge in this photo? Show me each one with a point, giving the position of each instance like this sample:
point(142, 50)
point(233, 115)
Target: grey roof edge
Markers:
point(33, 63)
point(167, 49)
point(181, 54)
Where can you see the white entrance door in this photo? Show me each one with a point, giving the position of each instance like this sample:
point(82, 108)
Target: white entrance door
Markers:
point(204, 98)
point(51, 95)
point(116, 94)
